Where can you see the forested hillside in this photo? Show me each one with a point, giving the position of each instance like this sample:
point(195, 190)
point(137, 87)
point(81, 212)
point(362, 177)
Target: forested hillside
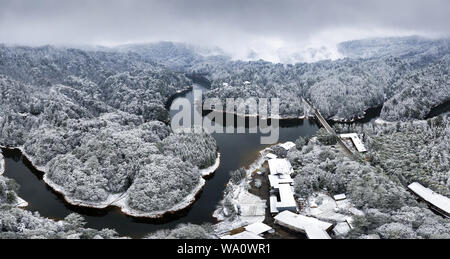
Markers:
point(398, 155)
point(375, 72)
point(344, 89)
point(96, 123)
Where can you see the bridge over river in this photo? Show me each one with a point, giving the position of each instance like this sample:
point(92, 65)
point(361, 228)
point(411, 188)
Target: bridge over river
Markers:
point(330, 130)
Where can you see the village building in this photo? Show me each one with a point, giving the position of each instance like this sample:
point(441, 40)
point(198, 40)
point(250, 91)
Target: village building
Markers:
point(300, 223)
point(437, 202)
point(280, 167)
point(356, 141)
point(339, 197)
point(258, 228)
point(281, 183)
point(314, 232)
point(288, 145)
point(287, 201)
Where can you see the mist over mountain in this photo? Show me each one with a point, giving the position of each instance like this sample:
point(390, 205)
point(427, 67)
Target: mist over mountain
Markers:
point(278, 31)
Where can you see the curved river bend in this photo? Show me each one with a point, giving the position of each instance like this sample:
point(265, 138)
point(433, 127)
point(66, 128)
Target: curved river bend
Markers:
point(236, 150)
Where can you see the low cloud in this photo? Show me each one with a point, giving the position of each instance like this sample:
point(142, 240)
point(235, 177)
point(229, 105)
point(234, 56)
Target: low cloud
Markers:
point(237, 26)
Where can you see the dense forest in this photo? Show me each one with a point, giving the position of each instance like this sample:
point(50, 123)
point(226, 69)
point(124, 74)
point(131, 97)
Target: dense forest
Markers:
point(97, 124)
point(375, 72)
point(17, 223)
point(399, 154)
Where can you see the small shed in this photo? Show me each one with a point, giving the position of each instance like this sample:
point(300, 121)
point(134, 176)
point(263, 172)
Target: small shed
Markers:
point(339, 197)
point(341, 228)
point(271, 156)
point(276, 180)
point(288, 145)
point(258, 228)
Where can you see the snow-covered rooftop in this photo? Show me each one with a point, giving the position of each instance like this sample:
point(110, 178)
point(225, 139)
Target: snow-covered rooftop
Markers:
point(271, 156)
point(435, 199)
point(273, 204)
point(339, 197)
point(299, 222)
point(287, 200)
point(242, 235)
point(356, 141)
point(276, 180)
point(314, 232)
point(258, 228)
point(280, 166)
point(288, 145)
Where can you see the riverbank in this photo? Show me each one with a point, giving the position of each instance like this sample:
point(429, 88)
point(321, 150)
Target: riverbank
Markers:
point(20, 203)
point(2, 164)
point(252, 192)
point(439, 110)
point(241, 197)
point(245, 115)
point(119, 199)
point(179, 93)
point(186, 203)
point(369, 114)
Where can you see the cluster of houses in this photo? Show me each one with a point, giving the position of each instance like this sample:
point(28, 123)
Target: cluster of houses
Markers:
point(285, 210)
point(281, 185)
point(283, 204)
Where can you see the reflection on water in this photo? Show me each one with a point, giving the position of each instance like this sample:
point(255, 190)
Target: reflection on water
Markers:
point(236, 150)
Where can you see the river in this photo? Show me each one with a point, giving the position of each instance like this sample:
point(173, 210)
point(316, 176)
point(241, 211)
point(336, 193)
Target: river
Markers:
point(236, 150)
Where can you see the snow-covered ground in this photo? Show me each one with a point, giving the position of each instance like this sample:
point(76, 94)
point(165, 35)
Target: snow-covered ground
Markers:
point(21, 203)
point(323, 207)
point(210, 170)
point(251, 208)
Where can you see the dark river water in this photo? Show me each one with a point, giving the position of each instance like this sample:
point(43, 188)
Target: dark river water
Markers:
point(438, 110)
point(236, 150)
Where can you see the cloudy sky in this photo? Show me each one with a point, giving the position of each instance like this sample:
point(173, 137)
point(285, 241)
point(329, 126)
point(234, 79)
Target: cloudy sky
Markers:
point(234, 25)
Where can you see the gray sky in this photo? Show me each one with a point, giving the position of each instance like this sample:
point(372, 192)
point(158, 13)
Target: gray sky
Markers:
point(230, 24)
